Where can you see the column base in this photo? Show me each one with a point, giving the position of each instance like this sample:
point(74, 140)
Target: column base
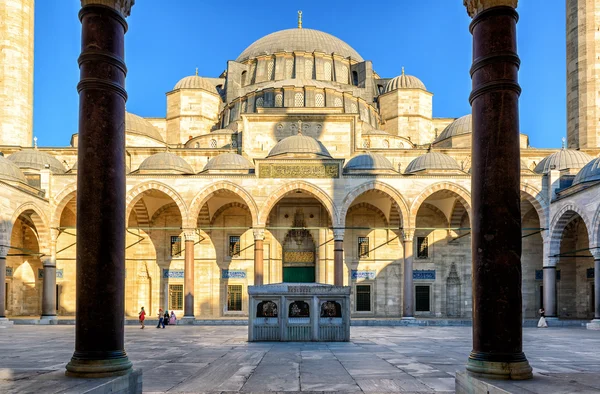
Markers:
point(83, 366)
point(5, 323)
point(509, 366)
point(49, 320)
point(187, 320)
point(593, 325)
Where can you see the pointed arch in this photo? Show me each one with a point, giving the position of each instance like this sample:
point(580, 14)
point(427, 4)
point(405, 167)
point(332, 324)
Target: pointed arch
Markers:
point(137, 192)
point(226, 207)
point(371, 208)
point(202, 197)
point(60, 202)
point(595, 230)
point(313, 190)
point(398, 201)
point(537, 199)
point(458, 213)
point(437, 211)
point(39, 220)
point(457, 191)
point(560, 220)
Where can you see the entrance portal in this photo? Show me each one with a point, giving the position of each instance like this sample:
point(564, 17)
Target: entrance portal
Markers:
point(299, 253)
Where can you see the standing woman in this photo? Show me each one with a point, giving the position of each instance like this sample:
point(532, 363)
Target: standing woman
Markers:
point(142, 316)
point(173, 319)
point(542, 322)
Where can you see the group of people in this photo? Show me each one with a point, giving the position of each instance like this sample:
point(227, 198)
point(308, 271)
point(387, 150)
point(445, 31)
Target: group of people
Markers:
point(164, 319)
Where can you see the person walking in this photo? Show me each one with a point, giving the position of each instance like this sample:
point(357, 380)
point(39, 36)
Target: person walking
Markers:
point(142, 316)
point(542, 322)
point(173, 319)
point(161, 319)
point(166, 318)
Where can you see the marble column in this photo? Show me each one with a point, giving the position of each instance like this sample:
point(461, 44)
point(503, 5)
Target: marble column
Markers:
point(550, 289)
point(595, 324)
point(338, 257)
point(408, 288)
point(259, 238)
point(49, 289)
point(100, 258)
point(3, 295)
point(188, 275)
point(496, 222)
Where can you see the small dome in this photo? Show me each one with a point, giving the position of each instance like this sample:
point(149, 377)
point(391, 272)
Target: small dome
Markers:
point(462, 125)
point(368, 161)
point(305, 40)
point(404, 82)
point(299, 144)
point(229, 161)
point(10, 172)
point(137, 125)
point(432, 161)
point(562, 160)
point(196, 82)
point(35, 159)
point(166, 161)
point(590, 172)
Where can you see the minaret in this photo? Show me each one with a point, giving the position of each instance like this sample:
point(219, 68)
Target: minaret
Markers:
point(583, 74)
point(16, 72)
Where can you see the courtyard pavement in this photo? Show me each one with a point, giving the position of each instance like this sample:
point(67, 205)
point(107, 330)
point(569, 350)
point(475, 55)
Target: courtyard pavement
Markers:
point(193, 359)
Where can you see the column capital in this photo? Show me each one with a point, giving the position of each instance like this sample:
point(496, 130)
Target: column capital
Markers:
point(49, 261)
point(121, 6)
point(595, 252)
point(338, 234)
point(408, 235)
point(474, 7)
point(259, 234)
point(190, 235)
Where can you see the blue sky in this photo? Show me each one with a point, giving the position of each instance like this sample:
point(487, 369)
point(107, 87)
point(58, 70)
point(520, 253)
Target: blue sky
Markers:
point(167, 40)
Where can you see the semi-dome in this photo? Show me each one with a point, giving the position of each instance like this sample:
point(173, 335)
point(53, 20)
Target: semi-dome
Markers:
point(368, 161)
point(590, 172)
point(404, 82)
point(228, 161)
point(305, 40)
point(10, 172)
point(299, 144)
point(137, 125)
point(196, 82)
point(37, 160)
point(462, 125)
point(166, 161)
point(562, 160)
point(432, 161)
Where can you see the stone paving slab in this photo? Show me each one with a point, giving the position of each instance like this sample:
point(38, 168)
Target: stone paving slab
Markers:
point(217, 359)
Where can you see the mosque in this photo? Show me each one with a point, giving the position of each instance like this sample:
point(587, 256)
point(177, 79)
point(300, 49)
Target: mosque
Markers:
point(297, 156)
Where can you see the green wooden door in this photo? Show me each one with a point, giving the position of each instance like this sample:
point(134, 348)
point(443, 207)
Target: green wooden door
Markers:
point(299, 274)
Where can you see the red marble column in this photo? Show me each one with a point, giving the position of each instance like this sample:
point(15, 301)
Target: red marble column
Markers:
point(99, 331)
point(189, 282)
point(496, 221)
point(338, 257)
point(259, 238)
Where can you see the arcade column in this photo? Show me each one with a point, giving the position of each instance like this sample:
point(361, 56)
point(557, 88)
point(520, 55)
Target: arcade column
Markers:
point(259, 238)
point(408, 288)
point(188, 275)
point(338, 257)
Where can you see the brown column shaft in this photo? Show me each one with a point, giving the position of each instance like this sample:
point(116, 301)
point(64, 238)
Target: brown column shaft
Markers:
point(99, 332)
point(188, 304)
point(49, 288)
point(496, 220)
point(3, 294)
point(338, 262)
point(258, 262)
point(407, 289)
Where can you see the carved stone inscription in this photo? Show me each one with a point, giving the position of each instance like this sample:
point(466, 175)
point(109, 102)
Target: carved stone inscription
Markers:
point(299, 171)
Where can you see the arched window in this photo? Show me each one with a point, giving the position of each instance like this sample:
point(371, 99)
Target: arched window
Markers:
point(319, 100)
point(308, 68)
point(260, 102)
point(299, 99)
point(380, 89)
point(337, 102)
point(289, 68)
point(271, 69)
point(244, 106)
point(252, 72)
point(243, 78)
point(355, 78)
point(343, 77)
point(279, 100)
point(353, 108)
point(327, 71)
point(197, 145)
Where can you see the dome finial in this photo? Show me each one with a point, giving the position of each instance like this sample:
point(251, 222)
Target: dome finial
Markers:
point(299, 127)
point(196, 71)
point(35, 142)
point(563, 142)
point(299, 19)
point(402, 70)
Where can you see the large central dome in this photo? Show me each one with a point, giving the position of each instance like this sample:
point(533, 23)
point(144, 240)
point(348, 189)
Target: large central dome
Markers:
point(306, 40)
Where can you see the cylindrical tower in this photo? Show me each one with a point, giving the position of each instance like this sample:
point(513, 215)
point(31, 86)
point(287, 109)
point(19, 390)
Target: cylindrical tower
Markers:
point(16, 73)
point(583, 78)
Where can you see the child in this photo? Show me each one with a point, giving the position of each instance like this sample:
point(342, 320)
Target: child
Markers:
point(142, 315)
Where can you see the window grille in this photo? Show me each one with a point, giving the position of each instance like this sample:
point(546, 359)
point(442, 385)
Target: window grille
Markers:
point(366, 144)
point(252, 72)
point(353, 108)
point(422, 295)
point(244, 106)
point(337, 102)
point(363, 246)
point(175, 297)
point(175, 246)
point(386, 144)
point(260, 102)
point(308, 68)
point(270, 69)
point(422, 248)
point(289, 68)
point(363, 298)
point(279, 100)
point(234, 297)
point(213, 143)
point(234, 245)
point(319, 100)
point(299, 99)
point(327, 71)
point(343, 77)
